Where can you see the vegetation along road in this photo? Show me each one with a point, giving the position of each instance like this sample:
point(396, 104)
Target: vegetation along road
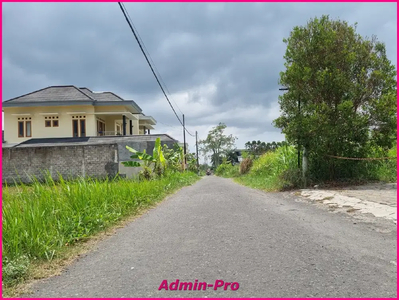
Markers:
point(261, 244)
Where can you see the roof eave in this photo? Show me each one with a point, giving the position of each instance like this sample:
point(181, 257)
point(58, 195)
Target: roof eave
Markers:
point(124, 103)
point(71, 103)
point(148, 119)
point(45, 103)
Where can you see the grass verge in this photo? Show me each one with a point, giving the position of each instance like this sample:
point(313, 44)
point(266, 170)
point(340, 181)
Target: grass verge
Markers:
point(273, 171)
point(277, 171)
point(45, 225)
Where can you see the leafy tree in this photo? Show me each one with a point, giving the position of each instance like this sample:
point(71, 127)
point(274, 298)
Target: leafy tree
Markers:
point(232, 157)
point(217, 143)
point(346, 88)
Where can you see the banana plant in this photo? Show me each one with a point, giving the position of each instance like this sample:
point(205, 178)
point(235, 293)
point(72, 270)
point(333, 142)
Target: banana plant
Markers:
point(158, 154)
point(157, 158)
point(143, 156)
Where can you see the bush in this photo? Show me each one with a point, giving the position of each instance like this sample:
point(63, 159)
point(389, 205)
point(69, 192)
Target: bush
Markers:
point(267, 171)
point(291, 178)
point(385, 170)
point(227, 170)
point(327, 168)
point(246, 165)
point(146, 173)
point(274, 163)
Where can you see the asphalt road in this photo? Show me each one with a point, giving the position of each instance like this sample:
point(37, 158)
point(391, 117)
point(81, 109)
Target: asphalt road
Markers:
point(267, 244)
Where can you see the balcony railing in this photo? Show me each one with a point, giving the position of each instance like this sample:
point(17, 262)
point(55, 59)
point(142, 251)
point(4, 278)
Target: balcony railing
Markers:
point(109, 133)
point(116, 133)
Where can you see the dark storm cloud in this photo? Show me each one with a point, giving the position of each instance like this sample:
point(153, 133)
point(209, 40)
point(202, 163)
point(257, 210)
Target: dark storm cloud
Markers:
point(230, 52)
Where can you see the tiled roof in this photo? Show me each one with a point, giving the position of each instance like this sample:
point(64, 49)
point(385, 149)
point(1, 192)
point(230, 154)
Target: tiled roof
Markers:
point(53, 93)
point(67, 93)
point(103, 96)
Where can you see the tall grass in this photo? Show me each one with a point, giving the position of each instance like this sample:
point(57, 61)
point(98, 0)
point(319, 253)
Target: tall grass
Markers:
point(278, 170)
point(40, 219)
point(382, 170)
point(227, 170)
point(268, 170)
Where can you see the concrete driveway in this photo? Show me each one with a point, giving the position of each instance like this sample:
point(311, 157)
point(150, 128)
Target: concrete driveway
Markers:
point(245, 242)
point(364, 202)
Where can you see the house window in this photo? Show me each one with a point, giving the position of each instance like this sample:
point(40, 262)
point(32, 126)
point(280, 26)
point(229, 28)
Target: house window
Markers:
point(100, 128)
point(78, 126)
point(51, 121)
point(118, 129)
point(24, 127)
point(75, 129)
point(21, 129)
point(28, 125)
point(82, 127)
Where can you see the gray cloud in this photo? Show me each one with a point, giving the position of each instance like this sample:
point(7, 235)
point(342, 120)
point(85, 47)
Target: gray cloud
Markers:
point(224, 56)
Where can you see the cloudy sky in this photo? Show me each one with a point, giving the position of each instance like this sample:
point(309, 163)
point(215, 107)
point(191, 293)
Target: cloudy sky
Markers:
point(220, 61)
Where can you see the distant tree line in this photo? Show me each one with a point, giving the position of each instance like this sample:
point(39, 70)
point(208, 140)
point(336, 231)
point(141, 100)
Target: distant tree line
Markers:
point(258, 148)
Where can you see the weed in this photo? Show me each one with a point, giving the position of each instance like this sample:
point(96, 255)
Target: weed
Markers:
point(227, 170)
point(13, 271)
point(246, 165)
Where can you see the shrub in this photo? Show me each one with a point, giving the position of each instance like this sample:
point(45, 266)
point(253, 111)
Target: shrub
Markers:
point(227, 170)
point(146, 173)
point(322, 168)
point(246, 165)
point(291, 178)
point(267, 170)
point(245, 154)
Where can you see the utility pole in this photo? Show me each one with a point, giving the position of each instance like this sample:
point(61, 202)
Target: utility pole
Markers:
point(184, 137)
point(299, 128)
point(298, 143)
point(304, 165)
point(196, 146)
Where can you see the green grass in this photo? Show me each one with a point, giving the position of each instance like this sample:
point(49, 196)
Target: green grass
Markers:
point(268, 171)
point(227, 170)
point(270, 184)
point(41, 219)
point(277, 170)
point(382, 170)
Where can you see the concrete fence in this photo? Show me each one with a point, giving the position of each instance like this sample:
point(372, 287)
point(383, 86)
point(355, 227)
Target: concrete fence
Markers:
point(97, 158)
point(69, 161)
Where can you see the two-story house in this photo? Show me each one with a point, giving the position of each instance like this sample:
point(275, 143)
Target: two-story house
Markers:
point(68, 111)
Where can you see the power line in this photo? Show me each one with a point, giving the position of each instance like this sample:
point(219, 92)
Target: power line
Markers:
point(168, 124)
point(147, 54)
point(150, 58)
point(146, 58)
point(152, 69)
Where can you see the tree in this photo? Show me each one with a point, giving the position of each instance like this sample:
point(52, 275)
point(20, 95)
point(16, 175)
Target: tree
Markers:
point(217, 143)
point(232, 157)
point(259, 148)
point(346, 88)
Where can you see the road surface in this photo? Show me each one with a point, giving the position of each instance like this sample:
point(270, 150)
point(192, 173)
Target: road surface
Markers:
point(245, 242)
